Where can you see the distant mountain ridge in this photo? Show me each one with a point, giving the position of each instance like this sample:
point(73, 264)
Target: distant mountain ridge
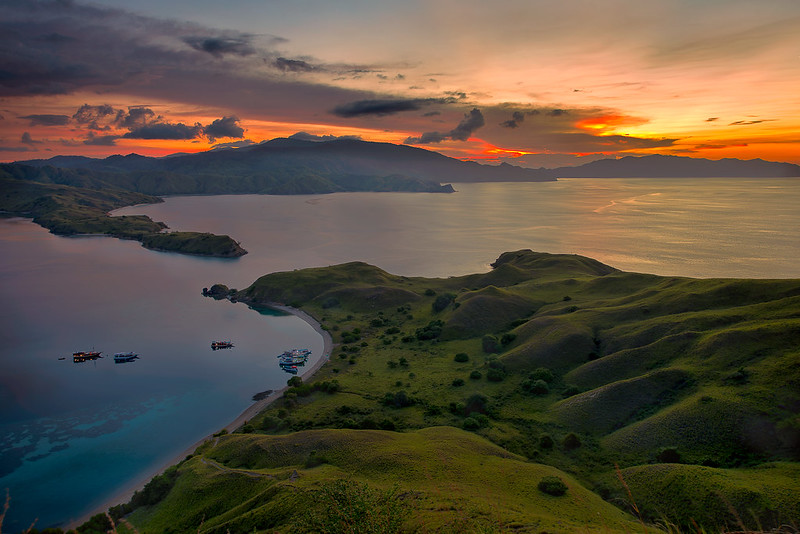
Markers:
point(299, 166)
point(658, 166)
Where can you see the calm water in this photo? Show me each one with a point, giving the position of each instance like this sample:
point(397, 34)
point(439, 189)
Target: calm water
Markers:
point(73, 434)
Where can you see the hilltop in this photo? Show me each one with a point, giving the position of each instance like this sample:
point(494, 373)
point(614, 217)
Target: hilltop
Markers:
point(503, 401)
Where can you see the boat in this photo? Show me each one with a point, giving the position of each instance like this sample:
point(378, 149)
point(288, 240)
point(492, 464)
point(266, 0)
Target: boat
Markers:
point(216, 345)
point(85, 355)
point(290, 359)
point(122, 357)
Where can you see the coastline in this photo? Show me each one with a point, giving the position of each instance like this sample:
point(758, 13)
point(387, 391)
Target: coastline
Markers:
point(124, 495)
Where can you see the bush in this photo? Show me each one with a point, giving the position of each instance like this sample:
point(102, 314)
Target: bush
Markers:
point(546, 442)
point(476, 403)
point(458, 382)
point(475, 375)
point(539, 387)
point(471, 423)
point(542, 373)
point(294, 381)
point(461, 357)
point(430, 292)
point(490, 344)
point(495, 375)
point(552, 486)
point(398, 400)
point(431, 331)
point(442, 302)
point(571, 442)
point(570, 391)
point(669, 455)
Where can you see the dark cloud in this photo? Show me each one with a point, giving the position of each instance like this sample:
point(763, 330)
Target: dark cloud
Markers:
point(101, 140)
point(16, 149)
point(224, 127)
point(28, 140)
point(87, 114)
point(471, 122)
point(377, 107)
point(163, 130)
point(557, 112)
point(47, 120)
point(712, 119)
point(220, 46)
point(431, 113)
point(234, 144)
point(516, 119)
point(293, 65)
point(304, 136)
point(746, 123)
point(136, 117)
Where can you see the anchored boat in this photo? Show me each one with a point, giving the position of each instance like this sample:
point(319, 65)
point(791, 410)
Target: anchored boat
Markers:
point(216, 345)
point(123, 357)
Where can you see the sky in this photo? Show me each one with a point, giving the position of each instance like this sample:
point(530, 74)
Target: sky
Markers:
point(527, 82)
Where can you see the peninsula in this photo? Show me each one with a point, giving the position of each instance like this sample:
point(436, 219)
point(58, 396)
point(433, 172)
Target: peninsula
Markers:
point(552, 393)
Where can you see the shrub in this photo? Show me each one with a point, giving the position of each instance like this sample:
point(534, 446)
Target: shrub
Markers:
point(542, 373)
point(458, 382)
point(470, 423)
point(571, 441)
point(546, 442)
point(398, 400)
point(461, 357)
point(669, 455)
point(490, 344)
point(431, 331)
point(495, 375)
point(294, 381)
point(430, 292)
point(539, 387)
point(552, 486)
point(476, 403)
point(442, 302)
point(475, 375)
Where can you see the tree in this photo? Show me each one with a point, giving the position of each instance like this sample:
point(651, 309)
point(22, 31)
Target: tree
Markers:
point(552, 486)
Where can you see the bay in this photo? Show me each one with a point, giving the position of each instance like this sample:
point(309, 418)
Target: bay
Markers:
point(71, 435)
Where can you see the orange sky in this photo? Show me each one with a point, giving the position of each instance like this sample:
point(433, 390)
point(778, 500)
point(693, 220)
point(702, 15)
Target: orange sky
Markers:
point(516, 81)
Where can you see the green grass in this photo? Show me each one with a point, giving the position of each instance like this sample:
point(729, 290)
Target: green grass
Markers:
point(709, 369)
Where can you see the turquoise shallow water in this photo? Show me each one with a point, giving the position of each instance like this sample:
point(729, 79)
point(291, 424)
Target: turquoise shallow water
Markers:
point(73, 434)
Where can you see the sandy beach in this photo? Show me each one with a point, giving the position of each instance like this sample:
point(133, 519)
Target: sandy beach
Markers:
point(124, 495)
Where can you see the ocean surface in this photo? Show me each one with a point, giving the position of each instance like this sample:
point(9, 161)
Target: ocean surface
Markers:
point(74, 435)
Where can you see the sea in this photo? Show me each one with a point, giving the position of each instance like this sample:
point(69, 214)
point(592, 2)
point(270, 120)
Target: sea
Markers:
point(75, 435)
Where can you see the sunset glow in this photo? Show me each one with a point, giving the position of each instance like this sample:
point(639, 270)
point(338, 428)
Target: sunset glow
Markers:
point(115, 77)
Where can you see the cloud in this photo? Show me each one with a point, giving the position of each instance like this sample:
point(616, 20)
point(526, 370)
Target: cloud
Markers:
point(28, 140)
point(516, 118)
point(163, 130)
point(471, 122)
point(47, 120)
point(378, 107)
point(101, 140)
point(224, 127)
point(234, 144)
point(712, 119)
point(219, 46)
point(746, 123)
point(293, 65)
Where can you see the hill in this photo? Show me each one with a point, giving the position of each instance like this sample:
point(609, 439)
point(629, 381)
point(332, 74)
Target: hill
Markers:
point(285, 166)
point(67, 210)
point(464, 393)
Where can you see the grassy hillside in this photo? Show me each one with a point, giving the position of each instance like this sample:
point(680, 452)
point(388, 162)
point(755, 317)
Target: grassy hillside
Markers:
point(466, 391)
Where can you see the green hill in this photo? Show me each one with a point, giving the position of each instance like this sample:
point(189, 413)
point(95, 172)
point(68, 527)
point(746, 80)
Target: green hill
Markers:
point(466, 391)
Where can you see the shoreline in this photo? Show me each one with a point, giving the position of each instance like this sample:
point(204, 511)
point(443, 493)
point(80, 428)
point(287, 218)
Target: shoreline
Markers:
point(124, 495)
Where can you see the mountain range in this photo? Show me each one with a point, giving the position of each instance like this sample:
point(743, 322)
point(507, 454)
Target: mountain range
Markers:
point(298, 166)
